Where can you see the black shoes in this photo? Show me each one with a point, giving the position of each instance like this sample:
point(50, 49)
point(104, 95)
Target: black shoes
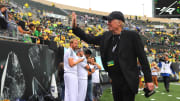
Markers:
point(167, 90)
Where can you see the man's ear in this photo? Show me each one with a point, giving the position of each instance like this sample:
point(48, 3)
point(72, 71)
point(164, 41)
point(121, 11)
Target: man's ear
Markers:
point(119, 23)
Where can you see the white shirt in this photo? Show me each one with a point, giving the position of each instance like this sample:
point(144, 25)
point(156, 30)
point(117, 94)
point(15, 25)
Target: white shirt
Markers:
point(70, 54)
point(154, 69)
point(82, 72)
point(166, 67)
point(95, 75)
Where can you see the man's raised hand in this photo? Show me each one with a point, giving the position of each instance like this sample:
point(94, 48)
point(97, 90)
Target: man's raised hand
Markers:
point(74, 21)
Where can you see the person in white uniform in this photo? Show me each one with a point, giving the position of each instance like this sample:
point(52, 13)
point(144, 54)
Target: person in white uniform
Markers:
point(70, 72)
point(82, 76)
point(166, 71)
point(155, 69)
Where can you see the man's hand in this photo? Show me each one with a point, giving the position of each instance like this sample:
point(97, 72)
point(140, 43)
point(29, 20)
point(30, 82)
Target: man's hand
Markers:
point(94, 63)
point(87, 67)
point(74, 21)
point(93, 70)
point(150, 86)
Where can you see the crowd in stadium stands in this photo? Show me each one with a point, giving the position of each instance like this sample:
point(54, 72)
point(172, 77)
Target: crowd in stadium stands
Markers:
point(53, 29)
point(37, 29)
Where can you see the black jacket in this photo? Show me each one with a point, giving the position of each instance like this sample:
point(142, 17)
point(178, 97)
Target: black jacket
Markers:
point(130, 48)
point(3, 23)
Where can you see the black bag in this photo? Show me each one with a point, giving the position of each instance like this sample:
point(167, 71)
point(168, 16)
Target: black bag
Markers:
point(148, 93)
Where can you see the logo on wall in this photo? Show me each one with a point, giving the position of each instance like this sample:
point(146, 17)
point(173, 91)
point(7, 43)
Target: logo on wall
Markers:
point(12, 80)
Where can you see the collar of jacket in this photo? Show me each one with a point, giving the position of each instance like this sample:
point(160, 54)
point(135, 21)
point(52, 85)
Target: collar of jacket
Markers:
point(109, 36)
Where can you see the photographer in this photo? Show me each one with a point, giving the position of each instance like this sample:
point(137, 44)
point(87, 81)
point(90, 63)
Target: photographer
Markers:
point(3, 17)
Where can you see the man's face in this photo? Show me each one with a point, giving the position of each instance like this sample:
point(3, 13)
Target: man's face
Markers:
point(74, 44)
point(32, 27)
point(166, 58)
point(113, 25)
point(39, 29)
point(92, 60)
point(87, 55)
point(81, 53)
point(10, 15)
point(3, 9)
point(89, 60)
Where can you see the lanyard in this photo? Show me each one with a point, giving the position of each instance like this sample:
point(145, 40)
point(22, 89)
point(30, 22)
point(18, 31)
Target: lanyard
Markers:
point(115, 46)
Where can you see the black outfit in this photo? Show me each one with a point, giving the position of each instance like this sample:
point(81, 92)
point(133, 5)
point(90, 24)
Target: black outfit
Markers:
point(3, 20)
point(3, 23)
point(166, 81)
point(61, 84)
point(123, 52)
point(61, 75)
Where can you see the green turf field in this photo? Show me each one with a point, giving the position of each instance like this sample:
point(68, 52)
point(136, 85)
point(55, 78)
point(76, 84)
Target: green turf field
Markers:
point(160, 95)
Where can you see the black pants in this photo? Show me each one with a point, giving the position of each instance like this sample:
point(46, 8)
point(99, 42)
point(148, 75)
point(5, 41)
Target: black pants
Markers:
point(120, 88)
point(166, 80)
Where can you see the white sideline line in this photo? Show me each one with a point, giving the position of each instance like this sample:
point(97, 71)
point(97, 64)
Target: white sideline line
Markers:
point(142, 94)
point(178, 98)
point(178, 84)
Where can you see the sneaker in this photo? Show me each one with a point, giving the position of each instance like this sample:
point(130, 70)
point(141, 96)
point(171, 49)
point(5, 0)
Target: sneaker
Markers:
point(140, 89)
point(156, 87)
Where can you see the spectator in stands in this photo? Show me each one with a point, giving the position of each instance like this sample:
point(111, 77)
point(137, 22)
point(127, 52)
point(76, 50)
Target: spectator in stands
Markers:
point(11, 17)
point(162, 40)
point(3, 17)
point(21, 28)
point(155, 69)
point(120, 58)
point(32, 28)
point(70, 72)
point(47, 36)
point(57, 40)
point(150, 58)
point(12, 26)
point(38, 31)
point(3, 12)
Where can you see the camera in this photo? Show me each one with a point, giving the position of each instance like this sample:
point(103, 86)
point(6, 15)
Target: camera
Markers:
point(147, 92)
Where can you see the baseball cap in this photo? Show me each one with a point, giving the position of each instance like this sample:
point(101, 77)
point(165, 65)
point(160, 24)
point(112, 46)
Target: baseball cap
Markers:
point(114, 15)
